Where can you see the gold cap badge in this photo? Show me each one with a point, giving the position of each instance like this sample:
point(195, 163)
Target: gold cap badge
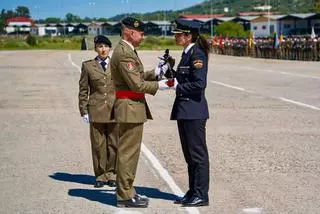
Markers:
point(136, 24)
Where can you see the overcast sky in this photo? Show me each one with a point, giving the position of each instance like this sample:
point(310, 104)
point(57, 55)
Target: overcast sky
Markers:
point(94, 8)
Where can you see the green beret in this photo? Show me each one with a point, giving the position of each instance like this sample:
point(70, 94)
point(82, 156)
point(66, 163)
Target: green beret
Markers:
point(133, 23)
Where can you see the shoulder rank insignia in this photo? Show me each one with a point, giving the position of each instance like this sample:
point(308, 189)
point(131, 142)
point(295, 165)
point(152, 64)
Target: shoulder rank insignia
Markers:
point(197, 63)
point(130, 66)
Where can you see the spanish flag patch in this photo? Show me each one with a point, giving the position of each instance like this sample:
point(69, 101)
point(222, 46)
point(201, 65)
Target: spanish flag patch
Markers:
point(197, 63)
point(130, 66)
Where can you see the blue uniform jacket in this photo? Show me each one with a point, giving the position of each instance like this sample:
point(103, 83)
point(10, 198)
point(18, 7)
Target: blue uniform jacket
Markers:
point(190, 102)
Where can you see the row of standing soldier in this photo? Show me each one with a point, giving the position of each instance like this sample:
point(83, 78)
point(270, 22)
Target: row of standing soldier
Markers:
point(291, 48)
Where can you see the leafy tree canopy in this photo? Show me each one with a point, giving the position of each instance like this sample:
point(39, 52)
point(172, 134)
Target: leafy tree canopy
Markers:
point(230, 29)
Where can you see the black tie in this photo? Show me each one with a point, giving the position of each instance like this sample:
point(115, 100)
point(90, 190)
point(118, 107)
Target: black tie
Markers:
point(183, 54)
point(103, 64)
point(135, 52)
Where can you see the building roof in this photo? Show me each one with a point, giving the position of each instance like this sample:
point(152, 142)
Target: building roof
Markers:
point(160, 22)
point(302, 15)
point(203, 20)
point(247, 18)
point(225, 19)
point(275, 17)
point(200, 16)
point(19, 19)
point(254, 13)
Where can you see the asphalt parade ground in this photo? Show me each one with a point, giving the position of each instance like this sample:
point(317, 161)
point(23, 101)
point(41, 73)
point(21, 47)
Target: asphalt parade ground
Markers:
point(263, 138)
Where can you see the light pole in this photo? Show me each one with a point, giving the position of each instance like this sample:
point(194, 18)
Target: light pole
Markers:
point(125, 2)
point(38, 18)
point(211, 19)
point(92, 4)
point(269, 16)
point(164, 23)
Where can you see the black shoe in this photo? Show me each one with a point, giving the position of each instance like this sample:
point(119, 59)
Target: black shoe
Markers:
point(182, 200)
point(142, 197)
point(111, 183)
point(98, 184)
point(195, 202)
point(136, 201)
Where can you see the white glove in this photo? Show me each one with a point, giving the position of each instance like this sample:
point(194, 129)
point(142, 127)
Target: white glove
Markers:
point(175, 83)
point(161, 68)
point(85, 118)
point(163, 85)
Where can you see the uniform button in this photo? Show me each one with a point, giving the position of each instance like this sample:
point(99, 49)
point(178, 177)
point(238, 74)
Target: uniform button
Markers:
point(105, 86)
point(105, 101)
point(104, 78)
point(105, 94)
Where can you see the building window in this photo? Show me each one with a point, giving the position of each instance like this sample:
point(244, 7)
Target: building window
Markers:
point(286, 26)
point(90, 28)
point(255, 28)
point(264, 27)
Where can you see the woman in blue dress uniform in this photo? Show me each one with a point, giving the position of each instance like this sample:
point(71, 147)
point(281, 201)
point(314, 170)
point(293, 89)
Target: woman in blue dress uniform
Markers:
point(190, 109)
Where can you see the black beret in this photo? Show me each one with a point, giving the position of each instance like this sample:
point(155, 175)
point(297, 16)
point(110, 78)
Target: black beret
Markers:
point(102, 39)
point(133, 23)
point(186, 26)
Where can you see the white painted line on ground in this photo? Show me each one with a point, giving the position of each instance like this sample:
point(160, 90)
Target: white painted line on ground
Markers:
point(277, 72)
point(127, 212)
point(281, 98)
point(252, 211)
point(299, 103)
point(165, 176)
point(74, 64)
point(156, 164)
point(229, 86)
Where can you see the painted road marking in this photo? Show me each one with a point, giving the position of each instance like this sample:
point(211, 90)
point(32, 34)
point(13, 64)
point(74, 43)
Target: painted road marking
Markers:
point(252, 211)
point(279, 98)
point(299, 103)
point(166, 176)
point(228, 86)
point(273, 71)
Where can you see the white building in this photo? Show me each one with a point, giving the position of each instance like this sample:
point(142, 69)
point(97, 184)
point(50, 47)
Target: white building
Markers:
point(94, 28)
point(265, 26)
point(18, 25)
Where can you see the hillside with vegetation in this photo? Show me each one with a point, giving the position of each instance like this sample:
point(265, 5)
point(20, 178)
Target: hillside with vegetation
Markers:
point(234, 7)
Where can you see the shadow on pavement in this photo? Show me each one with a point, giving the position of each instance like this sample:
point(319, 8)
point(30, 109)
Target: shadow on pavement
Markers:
point(102, 196)
point(75, 178)
point(108, 196)
point(105, 196)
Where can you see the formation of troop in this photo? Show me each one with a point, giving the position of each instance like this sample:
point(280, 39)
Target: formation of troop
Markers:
point(112, 101)
point(289, 48)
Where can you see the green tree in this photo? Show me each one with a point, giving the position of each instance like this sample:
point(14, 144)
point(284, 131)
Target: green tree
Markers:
point(9, 14)
point(22, 11)
point(2, 20)
point(52, 20)
point(86, 19)
point(316, 6)
point(102, 19)
point(231, 29)
point(72, 18)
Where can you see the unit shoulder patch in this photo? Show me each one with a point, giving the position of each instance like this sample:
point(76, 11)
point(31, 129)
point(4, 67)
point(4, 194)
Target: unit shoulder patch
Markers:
point(130, 66)
point(197, 63)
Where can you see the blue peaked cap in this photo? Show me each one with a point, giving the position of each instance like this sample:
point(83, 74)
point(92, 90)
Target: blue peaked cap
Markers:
point(186, 26)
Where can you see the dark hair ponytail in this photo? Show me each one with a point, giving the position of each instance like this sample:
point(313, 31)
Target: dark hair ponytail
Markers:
point(202, 42)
